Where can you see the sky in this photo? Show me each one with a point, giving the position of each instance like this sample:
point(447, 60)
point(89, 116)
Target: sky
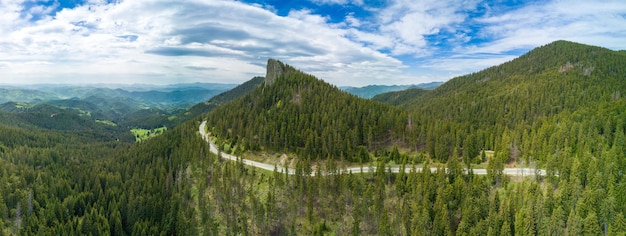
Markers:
point(343, 42)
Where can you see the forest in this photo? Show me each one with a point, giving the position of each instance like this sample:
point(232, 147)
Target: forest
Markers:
point(300, 111)
point(557, 108)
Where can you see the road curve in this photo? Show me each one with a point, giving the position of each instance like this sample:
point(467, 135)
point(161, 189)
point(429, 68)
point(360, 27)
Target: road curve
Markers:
point(365, 169)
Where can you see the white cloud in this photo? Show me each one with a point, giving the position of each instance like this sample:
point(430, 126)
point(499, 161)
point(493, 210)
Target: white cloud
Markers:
point(338, 2)
point(352, 21)
point(589, 22)
point(171, 40)
point(466, 64)
point(408, 23)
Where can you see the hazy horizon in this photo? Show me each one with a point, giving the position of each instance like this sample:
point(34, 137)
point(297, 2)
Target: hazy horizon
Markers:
point(116, 85)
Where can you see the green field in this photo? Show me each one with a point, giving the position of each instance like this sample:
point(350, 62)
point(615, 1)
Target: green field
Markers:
point(106, 122)
point(144, 134)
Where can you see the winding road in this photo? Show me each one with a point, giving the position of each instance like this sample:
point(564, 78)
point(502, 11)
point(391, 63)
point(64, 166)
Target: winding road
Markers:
point(394, 169)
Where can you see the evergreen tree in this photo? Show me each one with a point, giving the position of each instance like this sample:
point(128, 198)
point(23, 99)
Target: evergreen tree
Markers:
point(590, 225)
point(618, 225)
point(574, 224)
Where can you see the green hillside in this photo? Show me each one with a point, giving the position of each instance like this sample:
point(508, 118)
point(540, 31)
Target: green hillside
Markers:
point(24, 95)
point(399, 97)
point(296, 112)
point(205, 107)
point(529, 109)
point(371, 91)
point(557, 77)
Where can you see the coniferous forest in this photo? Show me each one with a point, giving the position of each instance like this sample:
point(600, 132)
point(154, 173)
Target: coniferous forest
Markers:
point(558, 108)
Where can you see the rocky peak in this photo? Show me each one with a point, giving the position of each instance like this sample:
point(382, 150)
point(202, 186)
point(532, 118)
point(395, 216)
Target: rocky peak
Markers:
point(275, 69)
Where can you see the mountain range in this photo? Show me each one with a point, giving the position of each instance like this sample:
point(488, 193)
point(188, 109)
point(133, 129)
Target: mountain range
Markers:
point(372, 90)
point(168, 97)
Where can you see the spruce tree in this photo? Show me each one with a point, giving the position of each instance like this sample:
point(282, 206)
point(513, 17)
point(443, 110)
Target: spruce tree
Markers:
point(590, 225)
point(618, 225)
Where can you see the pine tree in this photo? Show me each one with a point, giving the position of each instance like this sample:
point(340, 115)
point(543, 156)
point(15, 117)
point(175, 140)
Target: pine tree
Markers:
point(618, 225)
point(1, 227)
point(590, 225)
point(506, 229)
point(556, 224)
point(3, 208)
point(441, 225)
point(470, 150)
point(524, 222)
point(453, 166)
point(384, 228)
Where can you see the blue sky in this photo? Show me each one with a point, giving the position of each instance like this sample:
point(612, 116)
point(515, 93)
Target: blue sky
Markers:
point(344, 42)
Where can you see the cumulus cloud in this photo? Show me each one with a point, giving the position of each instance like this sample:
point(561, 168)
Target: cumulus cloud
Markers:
point(461, 65)
point(175, 40)
point(537, 24)
point(409, 23)
point(338, 2)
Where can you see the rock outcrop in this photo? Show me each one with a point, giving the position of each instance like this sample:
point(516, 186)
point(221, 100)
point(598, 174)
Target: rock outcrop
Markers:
point(275, 69)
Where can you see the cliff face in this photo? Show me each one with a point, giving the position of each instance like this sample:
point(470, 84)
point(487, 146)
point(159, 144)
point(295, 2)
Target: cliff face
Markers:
point(275, 69)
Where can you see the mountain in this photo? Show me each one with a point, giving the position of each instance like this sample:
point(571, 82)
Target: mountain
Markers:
point(167, 100)
point(116, 106)
point(205, 107)
point(561, 76)
point(181, 87)
point(70, 90)
point(14, 106)
point(520, 107)
point(45, 118)
point(296, 112)
point(173, 99)
point(168, 97)
point(134, 106)
point(399, 97)
point(10, 94)
point(373, 90)
point(145, 109)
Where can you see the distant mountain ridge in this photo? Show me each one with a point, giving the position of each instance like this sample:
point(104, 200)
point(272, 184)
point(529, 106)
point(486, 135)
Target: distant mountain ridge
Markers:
point(218, 100)
point(107, 107)
point(168, 97)
point(399, 97)
point(12, 94)
point(372, 90)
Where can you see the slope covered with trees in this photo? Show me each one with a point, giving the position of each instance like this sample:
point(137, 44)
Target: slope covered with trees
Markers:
point(399, 97)
point(371, 91)
point(205, 107)
point(296, 112)
point(518, 108)
point(69, 183)
point(65, 174)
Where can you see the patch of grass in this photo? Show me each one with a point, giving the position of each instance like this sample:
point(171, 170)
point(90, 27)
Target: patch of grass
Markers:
point(489, 154)
point(144, 134)
point(23, 105)
point(106, 122)
point(171, 118)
